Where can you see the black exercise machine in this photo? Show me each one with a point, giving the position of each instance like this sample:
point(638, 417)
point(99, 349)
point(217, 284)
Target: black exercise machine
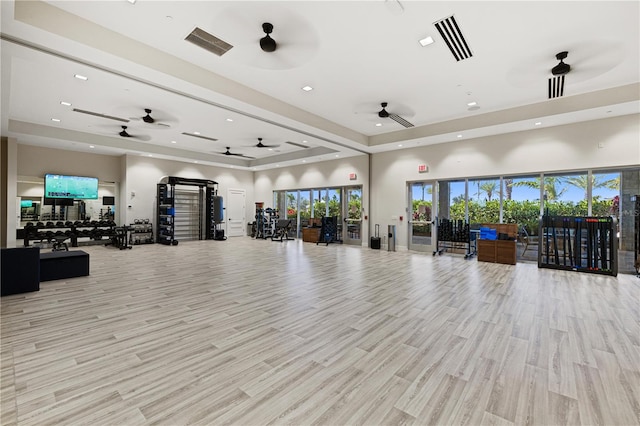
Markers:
point(281, 232)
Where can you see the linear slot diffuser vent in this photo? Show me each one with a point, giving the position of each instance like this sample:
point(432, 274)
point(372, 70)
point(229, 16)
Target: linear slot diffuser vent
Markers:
point(450, 32)
point(556, 86)
point(208, 41)
point(97, 114)
point(297, 144)
point(199, 136)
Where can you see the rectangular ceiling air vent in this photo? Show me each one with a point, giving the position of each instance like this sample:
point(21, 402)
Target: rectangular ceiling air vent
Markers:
point(450, 32)
point(199, 136)
point(299, 145)
point(208, 41)
point(98, 114)
point(556, 86)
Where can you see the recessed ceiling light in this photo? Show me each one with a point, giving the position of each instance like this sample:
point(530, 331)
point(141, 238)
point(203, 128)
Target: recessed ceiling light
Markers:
point(304, 161)
point(307, 88)
point(538, 123)
point(426, 41)
point(378, 124)
point(91, 146)
point(57, 120)
point(270, 149)
point(277, 165)
point(132, 1)
point(459, 136)
point(150, 155)
point(337, 156)
point(80, 77)
point(174, 142)
point(196, 133)
point(65, 103)
point(399, 144)
point(229, 119)
point(304, 141)
point(196, 162)
point(472, 104)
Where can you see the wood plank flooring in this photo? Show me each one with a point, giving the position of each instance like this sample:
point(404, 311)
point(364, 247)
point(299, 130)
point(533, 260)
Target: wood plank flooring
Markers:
point(246, 332)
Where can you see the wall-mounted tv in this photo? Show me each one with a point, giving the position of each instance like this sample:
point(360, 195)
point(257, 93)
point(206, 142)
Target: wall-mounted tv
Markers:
point(74, 187)
point(108, 201)
point(26, 204)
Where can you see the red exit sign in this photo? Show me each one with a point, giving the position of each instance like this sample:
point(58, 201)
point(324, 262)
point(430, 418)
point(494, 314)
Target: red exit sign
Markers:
point(422, 168)
point(353, 176)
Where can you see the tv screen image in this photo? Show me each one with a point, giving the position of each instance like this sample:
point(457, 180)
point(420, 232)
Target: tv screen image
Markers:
point(108, 201)
point(26, 204)
point(74, 187)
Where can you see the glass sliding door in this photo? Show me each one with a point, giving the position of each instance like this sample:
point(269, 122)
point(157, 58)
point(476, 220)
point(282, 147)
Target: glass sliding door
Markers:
point(421, 201)
point(352, 214)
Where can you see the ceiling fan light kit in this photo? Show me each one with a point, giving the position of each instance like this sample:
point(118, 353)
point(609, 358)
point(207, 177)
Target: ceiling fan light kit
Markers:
point(267, 44)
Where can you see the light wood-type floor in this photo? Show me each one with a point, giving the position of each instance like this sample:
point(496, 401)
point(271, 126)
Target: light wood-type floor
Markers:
point(247, 332)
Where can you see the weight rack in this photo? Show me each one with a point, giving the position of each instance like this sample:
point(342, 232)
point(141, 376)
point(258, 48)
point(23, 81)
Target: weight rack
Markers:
point(583, 244)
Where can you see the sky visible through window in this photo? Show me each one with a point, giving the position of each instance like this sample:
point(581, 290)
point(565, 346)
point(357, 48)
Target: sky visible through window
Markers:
point(522, 193)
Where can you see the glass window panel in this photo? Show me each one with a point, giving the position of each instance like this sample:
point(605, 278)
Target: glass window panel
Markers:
point(456, 190)
point(605, 194)
point(521, 202)
point(566, 195)
point(484, 200)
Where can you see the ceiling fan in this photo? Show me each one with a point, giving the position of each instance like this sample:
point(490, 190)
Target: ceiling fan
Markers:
point(261, 145)
point(383, 113)
point(556, 83)
point(228, 152)
point(150, 120)
point(267, 44)
point(126, 134)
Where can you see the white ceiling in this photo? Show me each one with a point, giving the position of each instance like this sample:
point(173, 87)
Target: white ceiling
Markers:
point(355, 54)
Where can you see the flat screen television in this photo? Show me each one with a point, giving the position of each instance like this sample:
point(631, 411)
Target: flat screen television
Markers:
point(25, 204)
point(108, 201)
point(74, 187)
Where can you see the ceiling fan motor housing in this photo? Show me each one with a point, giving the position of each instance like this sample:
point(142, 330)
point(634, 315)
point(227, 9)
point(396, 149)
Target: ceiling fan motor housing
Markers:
point(267, 44)
point(383, 112)
point(561, 68)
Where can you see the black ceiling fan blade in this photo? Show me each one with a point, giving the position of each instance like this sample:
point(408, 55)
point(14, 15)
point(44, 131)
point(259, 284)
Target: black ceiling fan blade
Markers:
point(400, 120)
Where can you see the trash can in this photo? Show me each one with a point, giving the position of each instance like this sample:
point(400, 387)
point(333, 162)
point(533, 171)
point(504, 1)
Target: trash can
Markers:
point(391, 240)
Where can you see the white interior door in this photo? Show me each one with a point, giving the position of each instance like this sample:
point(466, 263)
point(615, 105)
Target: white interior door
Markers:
point(235, 212)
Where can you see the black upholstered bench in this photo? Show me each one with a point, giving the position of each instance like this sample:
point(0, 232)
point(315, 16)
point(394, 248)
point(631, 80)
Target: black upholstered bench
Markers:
point(20, 271)
point(57, 265)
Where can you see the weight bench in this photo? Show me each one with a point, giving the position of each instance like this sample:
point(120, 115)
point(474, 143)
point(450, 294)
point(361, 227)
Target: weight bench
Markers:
point(281, 232)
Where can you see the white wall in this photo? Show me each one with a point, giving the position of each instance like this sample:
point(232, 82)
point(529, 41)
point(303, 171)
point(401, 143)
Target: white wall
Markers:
point(144, 173)
point(13, 214)
point(561, 148)
point(37, 161)
point(315, 175)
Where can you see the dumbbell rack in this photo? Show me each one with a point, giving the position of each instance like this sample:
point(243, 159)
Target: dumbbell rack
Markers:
point(94, 230)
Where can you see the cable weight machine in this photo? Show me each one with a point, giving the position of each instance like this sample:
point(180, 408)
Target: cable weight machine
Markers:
point(210, 209)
